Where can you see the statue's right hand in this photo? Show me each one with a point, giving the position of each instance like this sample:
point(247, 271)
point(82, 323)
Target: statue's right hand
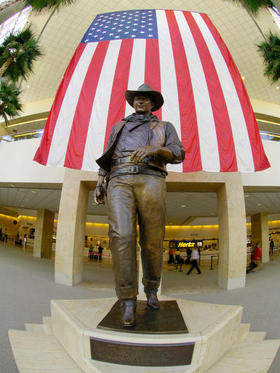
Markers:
point(99, 195)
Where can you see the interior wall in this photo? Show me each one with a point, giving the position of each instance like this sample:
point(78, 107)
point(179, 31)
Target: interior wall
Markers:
point(7, 225)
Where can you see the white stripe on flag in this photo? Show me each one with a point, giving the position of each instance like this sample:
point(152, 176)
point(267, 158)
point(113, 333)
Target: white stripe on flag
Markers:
point(64, 121)
point(98, 120)
point(205, 121)
point(170, 110)
point(137, 69)
point(239, 129)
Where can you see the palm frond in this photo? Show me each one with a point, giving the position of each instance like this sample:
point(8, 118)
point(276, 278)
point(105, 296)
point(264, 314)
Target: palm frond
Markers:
point(39, 5)
point(22, 49)
point(254, 6)
point(10, 105)
point(270, 50)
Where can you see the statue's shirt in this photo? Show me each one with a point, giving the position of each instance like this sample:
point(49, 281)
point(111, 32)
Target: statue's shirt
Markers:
point(136, 133)
point(139, 130)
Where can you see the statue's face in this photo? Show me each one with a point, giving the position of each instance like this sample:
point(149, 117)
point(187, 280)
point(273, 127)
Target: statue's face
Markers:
point(143, 105)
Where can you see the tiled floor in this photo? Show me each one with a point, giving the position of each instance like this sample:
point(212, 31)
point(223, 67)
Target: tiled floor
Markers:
point(27, 286)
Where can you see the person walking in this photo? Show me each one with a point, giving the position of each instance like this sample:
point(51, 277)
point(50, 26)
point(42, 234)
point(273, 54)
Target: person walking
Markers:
point(189, 255)
point(179, 261)
point(100, 250)
point(24, 243)
point(194, 261)
point(90, 252)
point(171, 256)
point(271, 246)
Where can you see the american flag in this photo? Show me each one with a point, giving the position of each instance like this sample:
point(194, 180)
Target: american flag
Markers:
point(178, 53)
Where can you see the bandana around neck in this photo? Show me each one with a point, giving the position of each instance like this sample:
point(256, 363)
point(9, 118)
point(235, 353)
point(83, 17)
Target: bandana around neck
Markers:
point(141, 118)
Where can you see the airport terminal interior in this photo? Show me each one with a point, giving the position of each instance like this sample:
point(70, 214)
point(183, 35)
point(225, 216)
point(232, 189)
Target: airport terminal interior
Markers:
point(51, 229)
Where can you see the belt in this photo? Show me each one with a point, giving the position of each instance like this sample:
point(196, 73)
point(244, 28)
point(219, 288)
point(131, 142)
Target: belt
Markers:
point(135, 170)
point(118, 161)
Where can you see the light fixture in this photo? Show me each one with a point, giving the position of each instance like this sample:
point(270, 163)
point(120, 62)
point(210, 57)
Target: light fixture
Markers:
point(259, 204)
point(183, 206)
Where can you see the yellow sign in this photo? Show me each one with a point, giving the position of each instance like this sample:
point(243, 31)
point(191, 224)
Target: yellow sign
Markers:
point(186, 244)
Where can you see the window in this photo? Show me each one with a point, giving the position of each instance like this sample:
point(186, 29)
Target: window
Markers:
point(14, 24)
point(276, 15)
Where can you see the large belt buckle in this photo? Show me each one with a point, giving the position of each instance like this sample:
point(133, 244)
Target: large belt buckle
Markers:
point(133, 169)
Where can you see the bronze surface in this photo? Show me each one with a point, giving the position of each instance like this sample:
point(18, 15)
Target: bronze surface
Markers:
point(167, 320)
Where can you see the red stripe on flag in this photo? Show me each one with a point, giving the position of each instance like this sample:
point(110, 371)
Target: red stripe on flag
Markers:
point(188, 120)
point(152, 68)
point(226, 148)
point(116, 110)
point(78, 135)
point(260, 160)
point(42, 152)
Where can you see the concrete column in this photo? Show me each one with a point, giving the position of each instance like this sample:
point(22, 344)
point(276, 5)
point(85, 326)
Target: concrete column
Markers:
point(43, 234)
point(260, 233)
point(232, 234)
point(70, 240)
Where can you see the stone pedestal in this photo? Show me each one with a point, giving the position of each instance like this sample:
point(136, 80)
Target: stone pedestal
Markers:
point(217, 342)
point(213, 329)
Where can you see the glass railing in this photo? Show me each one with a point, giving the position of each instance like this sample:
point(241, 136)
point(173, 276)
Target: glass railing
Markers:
point(26, 135)
point(272, 136)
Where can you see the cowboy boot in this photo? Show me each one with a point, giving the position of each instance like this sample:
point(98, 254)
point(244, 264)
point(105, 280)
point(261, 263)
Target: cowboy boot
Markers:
point(128, 313)
point(152, 299)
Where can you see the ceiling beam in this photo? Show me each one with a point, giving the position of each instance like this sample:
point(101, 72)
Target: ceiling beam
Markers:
point(188, 220)
point(5, 211)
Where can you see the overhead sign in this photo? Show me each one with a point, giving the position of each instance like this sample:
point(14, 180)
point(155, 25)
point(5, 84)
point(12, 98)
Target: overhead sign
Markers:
point(186, 244)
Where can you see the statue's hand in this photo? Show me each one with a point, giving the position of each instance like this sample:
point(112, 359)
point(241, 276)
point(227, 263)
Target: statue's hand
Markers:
point(144, 151)
point(99, 195)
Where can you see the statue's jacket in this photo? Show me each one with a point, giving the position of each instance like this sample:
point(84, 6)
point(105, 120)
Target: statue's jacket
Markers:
point(162, 134)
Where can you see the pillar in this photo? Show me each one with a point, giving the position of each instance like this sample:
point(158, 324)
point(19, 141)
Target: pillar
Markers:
point(260, 233)
point(43, 234)
point(70, 240)
point(232, 234)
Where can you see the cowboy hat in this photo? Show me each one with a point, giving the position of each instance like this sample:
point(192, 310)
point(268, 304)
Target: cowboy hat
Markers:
point(145, 90)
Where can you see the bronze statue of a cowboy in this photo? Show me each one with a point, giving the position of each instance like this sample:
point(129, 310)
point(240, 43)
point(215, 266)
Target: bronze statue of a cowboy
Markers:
point(132, 174)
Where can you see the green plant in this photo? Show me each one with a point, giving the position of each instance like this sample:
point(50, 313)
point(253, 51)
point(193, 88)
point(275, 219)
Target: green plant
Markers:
point(9, 100)
point(39, 5)
point(270, 47)
point(270, 50)
point(254, 6)
point(17, 55)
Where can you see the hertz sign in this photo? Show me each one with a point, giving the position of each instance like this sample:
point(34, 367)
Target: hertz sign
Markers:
point(186, 244)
